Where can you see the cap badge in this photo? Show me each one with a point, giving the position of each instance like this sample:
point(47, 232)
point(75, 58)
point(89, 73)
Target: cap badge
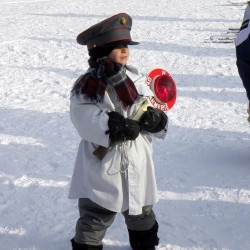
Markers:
point(123, 20)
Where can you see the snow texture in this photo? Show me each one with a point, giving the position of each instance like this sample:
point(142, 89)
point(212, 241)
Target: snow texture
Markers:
point(202, 167)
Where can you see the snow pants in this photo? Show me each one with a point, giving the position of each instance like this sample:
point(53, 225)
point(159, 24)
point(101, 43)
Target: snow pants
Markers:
point(94, 221)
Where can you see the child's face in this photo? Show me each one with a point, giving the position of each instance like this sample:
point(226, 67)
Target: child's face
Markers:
point(120, 55)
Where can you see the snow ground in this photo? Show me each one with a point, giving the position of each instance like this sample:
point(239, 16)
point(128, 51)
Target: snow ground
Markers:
point(203, 166)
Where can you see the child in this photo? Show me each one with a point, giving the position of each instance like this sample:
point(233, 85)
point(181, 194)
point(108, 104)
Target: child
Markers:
point(114, 170)
point(243, 54)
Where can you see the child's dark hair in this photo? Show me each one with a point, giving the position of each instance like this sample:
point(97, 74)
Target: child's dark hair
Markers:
point(99, 52)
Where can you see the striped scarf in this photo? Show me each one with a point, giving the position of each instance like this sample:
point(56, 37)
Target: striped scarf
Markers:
point(124, 87)
point(94, 83)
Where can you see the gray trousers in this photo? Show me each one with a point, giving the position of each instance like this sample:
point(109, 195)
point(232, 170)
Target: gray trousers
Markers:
point(94, 221)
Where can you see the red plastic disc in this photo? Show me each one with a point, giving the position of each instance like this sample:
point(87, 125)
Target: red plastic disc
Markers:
point(163, 87)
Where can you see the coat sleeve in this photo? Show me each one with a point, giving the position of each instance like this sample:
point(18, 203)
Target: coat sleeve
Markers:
point(243, 52)
point(90, 121)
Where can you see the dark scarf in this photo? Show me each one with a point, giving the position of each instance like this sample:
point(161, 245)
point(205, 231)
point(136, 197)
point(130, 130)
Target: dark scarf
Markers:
point(94, 83)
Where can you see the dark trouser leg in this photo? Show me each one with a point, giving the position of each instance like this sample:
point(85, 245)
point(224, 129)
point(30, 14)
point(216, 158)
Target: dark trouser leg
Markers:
point(91, 226)
point(142, 229)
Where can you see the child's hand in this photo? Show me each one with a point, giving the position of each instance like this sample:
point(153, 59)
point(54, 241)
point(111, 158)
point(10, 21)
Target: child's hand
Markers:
point(153, 120)
point(121, 128)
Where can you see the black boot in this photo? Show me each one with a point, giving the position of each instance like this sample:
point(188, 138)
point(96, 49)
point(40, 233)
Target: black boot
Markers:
point(144, 240)
point(77, 246)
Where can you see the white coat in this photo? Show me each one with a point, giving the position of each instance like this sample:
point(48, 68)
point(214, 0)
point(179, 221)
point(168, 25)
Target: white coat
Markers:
point(125, 178)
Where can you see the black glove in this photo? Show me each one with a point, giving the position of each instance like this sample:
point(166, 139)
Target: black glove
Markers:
point(153, 120)
point(121, 128)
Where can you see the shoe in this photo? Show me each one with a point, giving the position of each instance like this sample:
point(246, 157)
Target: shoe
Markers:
point(77, 246)
point(144, 240)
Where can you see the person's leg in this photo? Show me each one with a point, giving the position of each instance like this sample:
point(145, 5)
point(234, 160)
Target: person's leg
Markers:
point(91, 226)
point(142, 229)
point(248, 111)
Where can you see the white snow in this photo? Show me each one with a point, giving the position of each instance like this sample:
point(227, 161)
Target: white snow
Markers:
point(203, 166)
